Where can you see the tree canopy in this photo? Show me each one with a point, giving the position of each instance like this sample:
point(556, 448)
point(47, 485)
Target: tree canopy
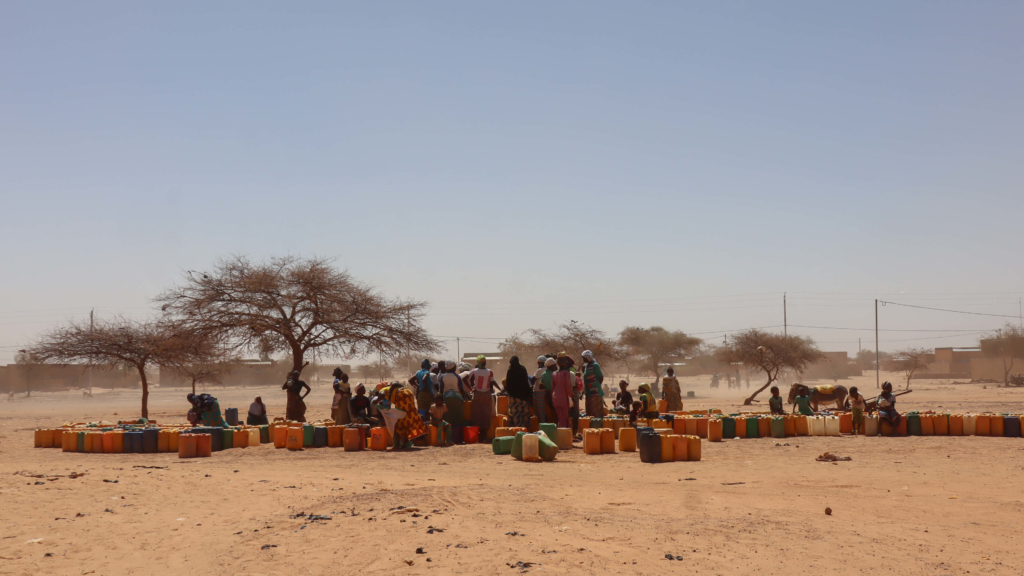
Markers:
point(654, 345)
point(300, 306)
point(770, 352)
point(1007, 344)
point(570, 337)
point(909, 361)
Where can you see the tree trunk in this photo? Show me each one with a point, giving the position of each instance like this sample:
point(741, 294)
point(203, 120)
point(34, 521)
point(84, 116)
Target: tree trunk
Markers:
point(297, 364)
point(145, 391)
point(193, 384)
point(1006, 372)
point(750, 400)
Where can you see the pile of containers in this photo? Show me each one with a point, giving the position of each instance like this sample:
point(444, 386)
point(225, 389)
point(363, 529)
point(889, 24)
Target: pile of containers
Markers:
point(148, 438)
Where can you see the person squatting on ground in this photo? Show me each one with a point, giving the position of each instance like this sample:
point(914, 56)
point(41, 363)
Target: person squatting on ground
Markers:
point(257, 415)
point(359, 408)
point(803, 401)
point(205, 409)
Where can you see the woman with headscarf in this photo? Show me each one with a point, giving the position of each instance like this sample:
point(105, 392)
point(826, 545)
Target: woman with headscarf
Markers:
point(424, 390)
point(482, 380)
point(562, 392)
point(540, 392)
point(451, 385)
point(206, 409)
point(648, 405)
point(257, 413)
point(672, 394)
point(342, 394)
point(400, 415)
point(296, 407)
point(359, 408)
point(593, 379)
point(517, 384)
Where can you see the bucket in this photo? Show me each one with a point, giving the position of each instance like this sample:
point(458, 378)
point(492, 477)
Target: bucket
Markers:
point(627, 440)
point(715, 426)
point(531, 447)
point(187, 446)
point(471, 434)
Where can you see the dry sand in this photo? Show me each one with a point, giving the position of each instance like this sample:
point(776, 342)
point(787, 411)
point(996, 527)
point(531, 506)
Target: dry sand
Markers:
point(921, 505)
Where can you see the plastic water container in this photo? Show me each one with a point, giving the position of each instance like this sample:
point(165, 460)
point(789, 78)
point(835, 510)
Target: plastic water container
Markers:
point(668, 447)
point(564, 438)
point(187, 446)
point(728, 428)
point(778, 427)
point(956, 425)
point(502, 444)
point(334, 436)
point(551, 430)
point(228, 436)
point(970, 424)
point(531, 447)
point(832, 426)
point(136, 439)
point(996, 426)
point(789, 425)
point(471, 434)
point(817, 425)
point(741, 427)
point(352, 439)
point(280, 436)
point(1011, 426)
point(927, 425)
point(693, 452)
point(627, 440)
point(871, 425)
point(204, 443)
point(97, 442)
point(591, 441)
point(764, 427)
point(846, 423)
point(680, 447)
point(502, 405)
point(378, 439)
point(231, 416)
point(608, 441)
point(240, 438)
point(254, 436)
point(163, 441)
point(752, 427)
point(691, 426)
point(913, 423)
point(320, 436)
point(941, 422)
point(597, 422)
point(293, 440)
point(715, 427)
point(457, 434)
point(650, 447)
point(308, 435)
point(801, 425)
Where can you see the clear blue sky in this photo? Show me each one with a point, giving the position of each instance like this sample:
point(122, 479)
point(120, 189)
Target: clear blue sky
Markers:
point(521, 164)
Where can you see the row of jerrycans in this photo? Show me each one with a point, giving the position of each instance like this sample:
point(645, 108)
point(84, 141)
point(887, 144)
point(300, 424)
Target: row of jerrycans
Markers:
point(352, 438)
point(1000, 425)
point(655, 447)
point(94, 441)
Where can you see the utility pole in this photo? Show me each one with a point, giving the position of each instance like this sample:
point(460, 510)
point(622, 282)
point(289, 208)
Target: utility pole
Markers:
point(458, 351)
point(785, 321)
point(90, 332)
point(878, 364)
point(858, 345)
point(1020, 313)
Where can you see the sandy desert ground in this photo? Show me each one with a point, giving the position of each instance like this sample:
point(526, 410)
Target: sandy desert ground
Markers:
point(920, 505)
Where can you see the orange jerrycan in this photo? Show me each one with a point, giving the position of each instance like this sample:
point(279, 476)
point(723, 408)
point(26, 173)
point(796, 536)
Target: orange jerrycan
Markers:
point(467, 411)
point(691, 425)
point(627, 440)
point(607, 441)
point(108, 442)
point(534, 425)
point(254, 435)
point(240, 438)
point(592, 441)
point(984, 425)
point(97, 442)
point(740, 424)
point(789, 425)
point(378, 439)
point(693, 448)
point(88, 442)
point(163, 441)
point(956, 425)
point(668, 447)
point(679, 425)
point(715, 430)
point(702, 427)
point(927, 425)
point(172, 440)
point(68, 441)
point(334, 436)
point(204, 445)
point(801, 426)
point(662, 406)
point(40, 433)
point(352, 439)
point(941, 422)
point(187, 446)
point(280, 436)
point(764, 427)
point(584, 423)
point(502, 407)
point(293, 441)
point(996, 426)
point(680, 448)
point(846, 423)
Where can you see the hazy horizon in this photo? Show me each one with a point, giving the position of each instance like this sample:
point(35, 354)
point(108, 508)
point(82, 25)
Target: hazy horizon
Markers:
point(518, 166)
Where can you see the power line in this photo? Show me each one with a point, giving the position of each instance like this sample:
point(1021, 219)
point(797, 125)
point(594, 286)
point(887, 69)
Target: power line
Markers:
point(883, 303)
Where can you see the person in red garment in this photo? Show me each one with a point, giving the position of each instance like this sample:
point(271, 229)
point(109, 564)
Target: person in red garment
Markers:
point(562, 390)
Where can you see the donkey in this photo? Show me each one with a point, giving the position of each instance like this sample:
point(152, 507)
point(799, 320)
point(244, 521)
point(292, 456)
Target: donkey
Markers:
point(838, 394)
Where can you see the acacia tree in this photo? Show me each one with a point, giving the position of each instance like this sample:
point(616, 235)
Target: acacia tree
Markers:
point(119, 342)
point(570, 337)
point(655, 344)
point(28, 360)
point(770, 353)
point(300, 306)
point(909, 361)
point(1006, 344)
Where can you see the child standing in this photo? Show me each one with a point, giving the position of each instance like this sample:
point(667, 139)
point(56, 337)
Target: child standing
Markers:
point(775, 402)
point(858, 405)
point(635, 413)
point(444, 429)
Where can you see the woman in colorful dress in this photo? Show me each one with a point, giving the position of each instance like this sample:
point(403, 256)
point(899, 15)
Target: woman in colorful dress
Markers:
point(410, 426)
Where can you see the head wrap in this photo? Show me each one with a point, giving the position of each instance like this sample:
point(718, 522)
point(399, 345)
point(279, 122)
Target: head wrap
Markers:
point(464, 367)
point(425, 364)
point(562, 354)
point(360, 387)
point(588, 355)
point(644, 388)
point(549, 362)
point(481, 360)
point(542, 359)
point(433, 366)
point(450, 365)
point(513, 361)
point(337, 372)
